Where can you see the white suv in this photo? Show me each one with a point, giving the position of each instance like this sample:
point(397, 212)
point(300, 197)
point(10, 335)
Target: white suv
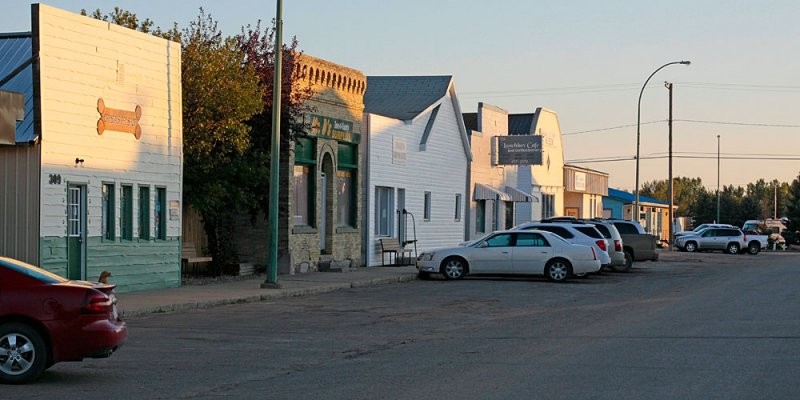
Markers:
point(575, 233)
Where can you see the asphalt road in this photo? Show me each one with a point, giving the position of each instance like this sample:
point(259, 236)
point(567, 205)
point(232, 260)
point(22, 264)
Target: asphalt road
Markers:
point(712, 326)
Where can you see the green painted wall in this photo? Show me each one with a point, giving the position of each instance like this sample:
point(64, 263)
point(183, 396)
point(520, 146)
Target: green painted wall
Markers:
point(134, 264)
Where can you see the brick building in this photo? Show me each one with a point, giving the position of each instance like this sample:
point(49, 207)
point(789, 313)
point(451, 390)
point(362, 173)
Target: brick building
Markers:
point(320, 209)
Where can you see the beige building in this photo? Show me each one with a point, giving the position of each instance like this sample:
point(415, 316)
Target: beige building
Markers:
point(583, 192)
point(92, 181)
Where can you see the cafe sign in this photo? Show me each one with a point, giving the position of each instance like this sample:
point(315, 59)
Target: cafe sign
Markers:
point(331, 128)
point(113, 119)
point(518, 150)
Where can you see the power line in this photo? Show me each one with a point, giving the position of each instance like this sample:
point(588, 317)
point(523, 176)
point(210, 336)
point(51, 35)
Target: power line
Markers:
point(696, 121)
point(709, 157)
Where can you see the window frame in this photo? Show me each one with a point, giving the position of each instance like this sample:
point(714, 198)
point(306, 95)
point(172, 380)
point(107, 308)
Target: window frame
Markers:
point(160, 210)
point(426, 211)
point(384, 201)
point(126, 212)
point(144, 212)
point(108, 220)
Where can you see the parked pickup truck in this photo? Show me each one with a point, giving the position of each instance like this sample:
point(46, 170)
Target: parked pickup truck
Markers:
point(755, 241)
point(638, 245)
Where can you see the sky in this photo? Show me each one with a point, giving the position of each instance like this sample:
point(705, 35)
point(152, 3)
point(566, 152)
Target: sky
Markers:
point(586, 60)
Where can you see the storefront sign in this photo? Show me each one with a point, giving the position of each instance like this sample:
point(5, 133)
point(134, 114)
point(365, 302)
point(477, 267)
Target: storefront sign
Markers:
point(119, 120)
point(580, 181)
point(332, 128)
point(519, 150)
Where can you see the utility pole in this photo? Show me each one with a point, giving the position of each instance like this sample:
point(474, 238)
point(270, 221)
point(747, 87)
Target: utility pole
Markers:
point(718, 193)
point(670, 184)
point(274, 166)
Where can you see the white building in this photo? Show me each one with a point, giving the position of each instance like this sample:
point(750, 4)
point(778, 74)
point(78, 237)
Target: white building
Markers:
point(417, 156)
point(92, 180)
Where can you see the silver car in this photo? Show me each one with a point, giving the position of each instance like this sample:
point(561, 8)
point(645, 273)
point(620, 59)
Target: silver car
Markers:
point(729, 240)
point(575, 232)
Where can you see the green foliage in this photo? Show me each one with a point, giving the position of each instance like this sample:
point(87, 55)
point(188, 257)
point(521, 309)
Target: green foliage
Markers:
point(793, 206)
point(686, 192)
point(220, 94)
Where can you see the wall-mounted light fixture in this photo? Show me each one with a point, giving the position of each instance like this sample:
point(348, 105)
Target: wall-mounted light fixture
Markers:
point(78, 161)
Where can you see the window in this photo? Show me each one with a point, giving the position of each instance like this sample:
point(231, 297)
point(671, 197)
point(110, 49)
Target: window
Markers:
point(303, 195)
point(426, 214)
point(161, 213)
point(531, 240)
point(501, 240)
point(345, 202)
point(590, 231)
point(108, 212)
point(558, 230)
point(548, 205)
point(458, 208)
point(384, 203)
point(480, 216)
point(509, 214)
point(126, 213)
point(144, 212)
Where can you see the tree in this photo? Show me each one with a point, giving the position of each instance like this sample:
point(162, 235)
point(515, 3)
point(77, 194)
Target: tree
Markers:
point(793, 209)
point(221, 92)
point(258, 47)
point(685, 193)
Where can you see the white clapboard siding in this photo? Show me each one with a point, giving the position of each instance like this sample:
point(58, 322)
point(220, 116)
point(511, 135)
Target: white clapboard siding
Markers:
point(441, 169)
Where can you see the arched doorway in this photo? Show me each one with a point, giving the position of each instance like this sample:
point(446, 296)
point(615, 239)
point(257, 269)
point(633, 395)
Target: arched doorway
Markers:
point(326, 226)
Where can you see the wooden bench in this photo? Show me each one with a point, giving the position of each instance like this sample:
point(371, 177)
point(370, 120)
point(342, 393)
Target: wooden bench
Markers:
point(189, 256)
point(392, 246)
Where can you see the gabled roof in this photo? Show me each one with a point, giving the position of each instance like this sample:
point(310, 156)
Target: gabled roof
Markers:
point(403, 97)
point(520, 124)
point(626, 197)
point(16, 49)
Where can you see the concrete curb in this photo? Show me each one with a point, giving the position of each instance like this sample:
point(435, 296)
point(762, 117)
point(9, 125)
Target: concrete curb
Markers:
point(274, 294)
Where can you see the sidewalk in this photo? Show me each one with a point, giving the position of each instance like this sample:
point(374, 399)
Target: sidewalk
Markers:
point(190, 297)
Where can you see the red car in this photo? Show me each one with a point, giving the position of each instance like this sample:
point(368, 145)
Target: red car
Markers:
point(45, 319)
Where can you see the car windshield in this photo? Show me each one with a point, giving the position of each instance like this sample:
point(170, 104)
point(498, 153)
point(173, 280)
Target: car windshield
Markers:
point(30, 270)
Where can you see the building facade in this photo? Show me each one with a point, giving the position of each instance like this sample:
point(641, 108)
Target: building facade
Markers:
point(417, 158)
point(653, 213)
point(99, 152)
point(320, 213)
point(583, 192)
point(545, 181)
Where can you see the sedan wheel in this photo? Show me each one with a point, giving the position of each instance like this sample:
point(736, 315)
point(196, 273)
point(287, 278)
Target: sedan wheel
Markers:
point(454, 268)
point(690, 247)
point(23, 354)
point(733, 248)
point(557, 270)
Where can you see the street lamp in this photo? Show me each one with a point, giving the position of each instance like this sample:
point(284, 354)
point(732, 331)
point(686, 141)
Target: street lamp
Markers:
point(638, 134)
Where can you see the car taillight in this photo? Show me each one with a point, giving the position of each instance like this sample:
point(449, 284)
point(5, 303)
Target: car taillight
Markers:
point(602, 244)
point(617, 245)
point(96, 303)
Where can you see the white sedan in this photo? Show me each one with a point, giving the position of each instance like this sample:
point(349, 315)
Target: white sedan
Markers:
point(531, 252)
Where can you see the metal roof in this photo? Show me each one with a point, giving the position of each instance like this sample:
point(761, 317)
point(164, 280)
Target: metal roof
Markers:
point(630, 198)
point(520, 124)
point(403, 97)
point(16, 49)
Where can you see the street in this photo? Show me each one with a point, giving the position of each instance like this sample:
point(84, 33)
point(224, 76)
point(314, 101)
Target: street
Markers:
point(697, 326)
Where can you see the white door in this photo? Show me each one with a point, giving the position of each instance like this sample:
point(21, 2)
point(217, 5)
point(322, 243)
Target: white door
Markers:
point(495, 257)
point(530, 253)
